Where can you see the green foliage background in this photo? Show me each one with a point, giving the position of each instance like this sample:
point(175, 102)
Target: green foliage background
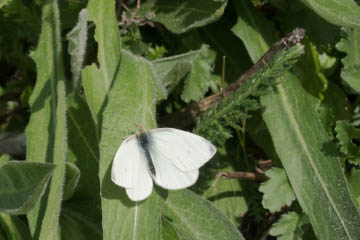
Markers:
point(79, 76)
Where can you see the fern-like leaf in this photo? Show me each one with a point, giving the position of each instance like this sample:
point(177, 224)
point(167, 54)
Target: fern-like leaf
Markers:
point(216, 123)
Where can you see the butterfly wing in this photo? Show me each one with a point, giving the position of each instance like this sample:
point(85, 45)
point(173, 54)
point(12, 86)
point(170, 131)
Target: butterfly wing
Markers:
point(127, 162)
point(169, 176)
point(129, 170)
point(142, 186)
point(187, 151)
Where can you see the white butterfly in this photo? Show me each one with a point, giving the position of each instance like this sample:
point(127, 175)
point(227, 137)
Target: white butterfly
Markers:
point(169, 156)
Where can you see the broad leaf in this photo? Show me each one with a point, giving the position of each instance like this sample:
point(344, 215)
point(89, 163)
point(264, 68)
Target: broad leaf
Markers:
point(80, 221)
point(4, 3)
point(195, 218)
point(22, 184)
point(14, 228)
point(227, 195)
point(72, 177)
point(248, 31)
point(198, 81)
point(170, 70)
point(83, 145)
point(220, 38)
point(195, 67)
point(131, 103)
point(46, 131)
point(97, 81)
point(77, 45)
point(354, 179)
point(277, 190)
point(310, 164)
point(180, 16)
point(311, 76)
point(350, 74)
point(330, 9)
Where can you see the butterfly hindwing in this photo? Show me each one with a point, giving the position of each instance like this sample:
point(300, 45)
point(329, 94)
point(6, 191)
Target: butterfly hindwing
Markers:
point(168, 175)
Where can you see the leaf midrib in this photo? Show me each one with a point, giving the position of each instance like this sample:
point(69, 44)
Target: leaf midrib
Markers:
point(300, 137)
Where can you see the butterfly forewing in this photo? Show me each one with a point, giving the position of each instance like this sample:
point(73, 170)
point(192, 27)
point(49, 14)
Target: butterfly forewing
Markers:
point(127, 161)
point(185, 150)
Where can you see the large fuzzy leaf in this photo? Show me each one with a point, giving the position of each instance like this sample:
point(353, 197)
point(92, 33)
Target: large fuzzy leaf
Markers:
point(310, 165)
point(83, 146)
point(330, 10)
point(22, 184)
point(14, 227)
point(46, 133)
point(77, 46)
point(198, 81)
point(180, 16)
point(97, 81)
point(194, 66)
point(195, 218)
point(131, 103)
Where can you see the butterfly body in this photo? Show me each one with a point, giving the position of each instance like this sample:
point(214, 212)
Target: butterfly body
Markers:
point(144, 144)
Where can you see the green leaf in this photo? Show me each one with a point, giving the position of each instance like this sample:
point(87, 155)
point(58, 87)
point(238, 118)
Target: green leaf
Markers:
point(4, 3)
point(219, 36)
point(131, 103)
point(82, 209)
point(334, 104)
point(198, 64)
point(330, 10)
point(311, 76)
point(72, 177)
point(14, 227)
point(97, 81)
point(353, 180)
point(335, 107)
point(306, 153)
point(168, 231)
point(4, 159)
point(171, 70)
point(77, 38)
point(350, 74)
point(195, 218)
point(83, 146)
point(277, 190)
point(227, 195)
point(180, 16)
point(287, 227)
point(198, 81)
point(22, 184)
point(347, 134)
point(248, 24)
point(80, 221)
point(46, 131)
point(314, 173)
